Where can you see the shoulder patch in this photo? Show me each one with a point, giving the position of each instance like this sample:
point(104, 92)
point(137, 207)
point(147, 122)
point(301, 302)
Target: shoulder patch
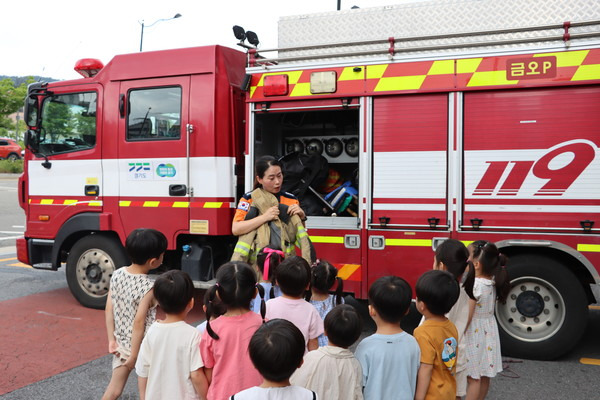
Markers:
point(244, 205)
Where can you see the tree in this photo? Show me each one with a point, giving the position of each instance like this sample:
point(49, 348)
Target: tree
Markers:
point(12, 99)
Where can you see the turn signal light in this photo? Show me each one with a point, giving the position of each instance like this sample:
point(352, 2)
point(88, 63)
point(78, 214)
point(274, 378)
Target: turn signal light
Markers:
point(44, 217)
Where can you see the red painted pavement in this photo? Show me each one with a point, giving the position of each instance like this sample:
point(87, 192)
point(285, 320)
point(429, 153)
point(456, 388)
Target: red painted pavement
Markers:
point(48, 333)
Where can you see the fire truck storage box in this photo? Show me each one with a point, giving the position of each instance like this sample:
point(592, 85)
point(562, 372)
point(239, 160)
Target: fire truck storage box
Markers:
point(427, 18)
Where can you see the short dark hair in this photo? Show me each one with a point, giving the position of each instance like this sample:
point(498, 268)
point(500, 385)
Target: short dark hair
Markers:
point(143, 244)
point(391, 297)
point(293, 276)
point(173, 290)
point(439, 291)
point(276, 349)
point(343, 326)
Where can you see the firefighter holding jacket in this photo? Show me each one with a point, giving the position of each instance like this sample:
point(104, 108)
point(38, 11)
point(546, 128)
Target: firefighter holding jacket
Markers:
point(269, 217)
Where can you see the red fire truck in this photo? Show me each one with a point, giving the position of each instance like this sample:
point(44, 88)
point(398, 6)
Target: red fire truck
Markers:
point(440, 123)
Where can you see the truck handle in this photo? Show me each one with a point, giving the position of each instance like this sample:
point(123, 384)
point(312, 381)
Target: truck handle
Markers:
point(122, 105)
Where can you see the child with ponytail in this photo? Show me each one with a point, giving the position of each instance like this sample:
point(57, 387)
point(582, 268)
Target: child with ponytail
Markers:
point(267, 261)
point(224, 345)
point(482, 341)
point(322, 278)
point(452, 256)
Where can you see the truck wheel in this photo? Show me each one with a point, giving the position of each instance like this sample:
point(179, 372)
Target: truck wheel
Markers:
point(546, 310)
point(90, 264)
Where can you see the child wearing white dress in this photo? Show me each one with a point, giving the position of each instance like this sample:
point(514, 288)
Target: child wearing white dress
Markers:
point(322, 278)
point(482, 341)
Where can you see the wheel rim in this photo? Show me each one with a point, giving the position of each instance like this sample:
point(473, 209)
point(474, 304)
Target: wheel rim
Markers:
point(94, 269)
point(534, 310)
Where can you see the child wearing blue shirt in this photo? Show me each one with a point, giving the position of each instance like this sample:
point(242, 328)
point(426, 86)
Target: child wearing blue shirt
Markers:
point(389, 358)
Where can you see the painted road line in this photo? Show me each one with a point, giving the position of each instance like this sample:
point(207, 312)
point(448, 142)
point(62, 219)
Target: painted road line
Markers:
point(21, 265)
point(589, 361)
point(594, 307)
point(8, 259)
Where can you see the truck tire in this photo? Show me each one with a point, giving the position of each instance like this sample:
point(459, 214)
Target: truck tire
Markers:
point(90, 264)
point(546, 311)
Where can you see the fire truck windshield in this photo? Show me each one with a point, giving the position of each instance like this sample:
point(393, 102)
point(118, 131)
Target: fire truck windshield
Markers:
point(68, 123)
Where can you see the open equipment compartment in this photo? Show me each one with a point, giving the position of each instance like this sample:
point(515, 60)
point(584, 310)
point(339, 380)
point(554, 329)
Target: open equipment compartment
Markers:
point(328, 137)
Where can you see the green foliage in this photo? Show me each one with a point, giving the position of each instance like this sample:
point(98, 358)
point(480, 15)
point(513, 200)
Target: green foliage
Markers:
point(12, 99)
point(11, 167)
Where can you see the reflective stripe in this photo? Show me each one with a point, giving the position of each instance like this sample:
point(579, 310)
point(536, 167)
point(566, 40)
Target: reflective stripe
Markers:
point(302, 232)
point(242, 248)
point(408, 242)
point(591, 248)
point(327, 239)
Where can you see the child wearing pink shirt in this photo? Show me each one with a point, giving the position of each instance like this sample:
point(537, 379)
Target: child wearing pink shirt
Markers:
point(224, 344)
point(293, 278)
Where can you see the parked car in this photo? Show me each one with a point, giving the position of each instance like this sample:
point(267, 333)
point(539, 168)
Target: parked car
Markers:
point(10, 149)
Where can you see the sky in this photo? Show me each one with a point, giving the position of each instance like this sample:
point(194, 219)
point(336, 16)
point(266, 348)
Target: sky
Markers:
point(46, 38)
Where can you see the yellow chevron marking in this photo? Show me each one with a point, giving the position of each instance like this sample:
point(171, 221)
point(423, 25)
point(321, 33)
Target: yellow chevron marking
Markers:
point(400, 83)
point(490, 78)
point(347, 270)
point(47, 201)
point(376, 71)
point(181, 204)
point(301, 89)
point(467, 66)
point(587, 72)
point(567, 58)
point(408, 242)
point(95, 203)
point(348, 74)
point(124, 203)
point(69, 202)
point(212, 204)
point(443, 67)
point(151, 204)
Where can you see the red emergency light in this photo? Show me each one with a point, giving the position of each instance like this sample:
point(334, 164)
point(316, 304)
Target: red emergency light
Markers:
point(275, 85)
point(88, 67)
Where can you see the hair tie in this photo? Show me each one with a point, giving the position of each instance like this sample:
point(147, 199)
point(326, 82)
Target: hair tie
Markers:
point(317, 262)
point(217, 284)
point(269, 251)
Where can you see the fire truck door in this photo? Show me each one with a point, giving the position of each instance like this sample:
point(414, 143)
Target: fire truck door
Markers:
point(153, 155)
point(409, 183)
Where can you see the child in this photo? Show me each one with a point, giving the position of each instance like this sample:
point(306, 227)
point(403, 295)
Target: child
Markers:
point(323, 277)
point(452, 256)
point(437, 291)
point(390, 357)
point(216, 306)
point(332, 371)
point(484, 359)
point(293, 277)
point(169, 365)
point(267, 261)
point(224, 345)
point(130, 305)
point(276, 350)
